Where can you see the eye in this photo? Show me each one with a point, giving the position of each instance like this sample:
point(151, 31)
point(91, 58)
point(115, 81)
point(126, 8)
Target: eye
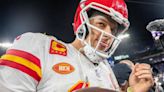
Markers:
point(101, 25)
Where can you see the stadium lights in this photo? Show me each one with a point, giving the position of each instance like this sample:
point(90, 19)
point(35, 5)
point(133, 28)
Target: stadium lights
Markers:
point(123, 36)
point(5, 45)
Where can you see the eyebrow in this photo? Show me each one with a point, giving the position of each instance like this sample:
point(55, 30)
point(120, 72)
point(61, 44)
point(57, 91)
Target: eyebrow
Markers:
point(108, 20)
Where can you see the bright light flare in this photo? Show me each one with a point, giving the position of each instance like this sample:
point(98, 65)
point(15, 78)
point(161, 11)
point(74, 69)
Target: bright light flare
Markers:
point(123, 36)
point(5, 45)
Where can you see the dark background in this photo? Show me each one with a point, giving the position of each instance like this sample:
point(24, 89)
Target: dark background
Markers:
point(55, 17)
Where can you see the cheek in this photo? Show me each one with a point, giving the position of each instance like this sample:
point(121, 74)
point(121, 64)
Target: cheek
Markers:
point(93, 40)
point(91, 37)
point(93, 34)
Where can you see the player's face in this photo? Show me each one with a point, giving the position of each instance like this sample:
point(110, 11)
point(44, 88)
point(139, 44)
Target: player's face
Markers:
point(107, 25)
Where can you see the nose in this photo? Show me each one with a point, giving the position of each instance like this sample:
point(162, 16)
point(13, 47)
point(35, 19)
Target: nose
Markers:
point(106, 38)
point(106, 34)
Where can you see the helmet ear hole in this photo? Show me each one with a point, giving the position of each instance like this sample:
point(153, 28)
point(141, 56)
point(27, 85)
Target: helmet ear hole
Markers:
point(82, 32)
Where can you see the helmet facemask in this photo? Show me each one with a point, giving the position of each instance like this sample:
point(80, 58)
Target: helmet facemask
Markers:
point(84, 30)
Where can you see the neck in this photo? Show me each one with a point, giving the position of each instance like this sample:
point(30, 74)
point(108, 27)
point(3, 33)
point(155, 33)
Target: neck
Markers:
point(77, 44)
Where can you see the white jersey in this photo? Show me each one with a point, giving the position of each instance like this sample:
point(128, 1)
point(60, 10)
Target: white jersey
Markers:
point(40, 63)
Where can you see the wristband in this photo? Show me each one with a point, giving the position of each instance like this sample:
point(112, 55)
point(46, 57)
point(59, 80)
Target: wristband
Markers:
point(129, 89)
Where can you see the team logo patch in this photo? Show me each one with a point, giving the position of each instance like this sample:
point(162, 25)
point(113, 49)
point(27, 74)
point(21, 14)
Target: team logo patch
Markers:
point(63, 68)
point(58, 48)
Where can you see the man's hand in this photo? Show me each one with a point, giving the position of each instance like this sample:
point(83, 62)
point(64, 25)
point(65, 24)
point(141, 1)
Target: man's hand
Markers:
point(141, 79)
point(94, 89)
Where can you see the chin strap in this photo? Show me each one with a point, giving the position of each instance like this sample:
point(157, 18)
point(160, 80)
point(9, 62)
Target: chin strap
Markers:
point(91, 54)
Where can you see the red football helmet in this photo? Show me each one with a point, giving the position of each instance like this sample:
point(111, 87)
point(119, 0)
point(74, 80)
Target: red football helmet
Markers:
point(115, 9)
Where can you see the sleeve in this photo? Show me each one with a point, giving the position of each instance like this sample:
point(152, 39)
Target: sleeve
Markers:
point(20, 66)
